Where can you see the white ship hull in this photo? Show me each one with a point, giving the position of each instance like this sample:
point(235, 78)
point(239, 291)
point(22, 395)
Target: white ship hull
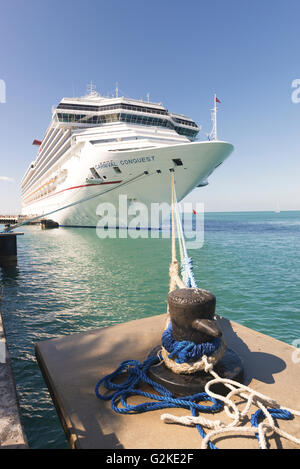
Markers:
point(97, 149)
point(144, 177)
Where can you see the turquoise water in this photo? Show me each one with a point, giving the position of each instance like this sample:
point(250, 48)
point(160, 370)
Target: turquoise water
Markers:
point(68, 281)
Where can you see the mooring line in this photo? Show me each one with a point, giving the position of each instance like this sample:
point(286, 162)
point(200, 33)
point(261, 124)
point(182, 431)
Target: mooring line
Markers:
point(85, 199)
point(177, 352)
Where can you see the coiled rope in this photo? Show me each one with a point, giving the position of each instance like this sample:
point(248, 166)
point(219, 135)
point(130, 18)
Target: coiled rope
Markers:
point(185, 350)
point(162, 398)
point(262, 422)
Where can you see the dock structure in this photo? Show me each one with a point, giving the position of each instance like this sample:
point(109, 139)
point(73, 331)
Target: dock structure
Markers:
point(12, 434)
point(72, 365)
point(14, 219)
point(9, 219)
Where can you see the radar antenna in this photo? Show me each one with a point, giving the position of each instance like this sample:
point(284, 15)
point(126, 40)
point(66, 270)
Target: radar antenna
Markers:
point(91, 89)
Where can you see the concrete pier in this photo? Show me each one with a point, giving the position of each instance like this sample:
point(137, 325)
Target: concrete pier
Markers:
point(72, 365)
point(12, 435)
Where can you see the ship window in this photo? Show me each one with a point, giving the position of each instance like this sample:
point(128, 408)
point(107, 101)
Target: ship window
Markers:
point(131, 118)
point(104, 140)
point(94, 173)
point(84, 107)
point(184, 122)
point(187, 132)
point(177, 162)
point(117, 169)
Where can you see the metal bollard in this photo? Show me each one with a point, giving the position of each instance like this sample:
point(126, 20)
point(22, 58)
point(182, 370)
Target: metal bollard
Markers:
point(192, 314)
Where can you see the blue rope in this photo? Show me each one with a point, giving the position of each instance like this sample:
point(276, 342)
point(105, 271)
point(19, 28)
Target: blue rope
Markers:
point(201, 431)
point(135, 373)
point(187, 262)
point(258, 416)
point(282, 414)
point(186, 351)
point(187, 272)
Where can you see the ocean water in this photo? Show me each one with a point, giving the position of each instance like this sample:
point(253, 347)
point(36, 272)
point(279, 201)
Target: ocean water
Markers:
point(68, 280)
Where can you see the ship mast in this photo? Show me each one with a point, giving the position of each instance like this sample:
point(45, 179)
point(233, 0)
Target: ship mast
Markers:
point(213, 135)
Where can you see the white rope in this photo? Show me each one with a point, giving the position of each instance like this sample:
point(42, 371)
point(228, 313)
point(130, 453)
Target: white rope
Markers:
point(191, 367)
point(188, 275)
point(190, 421)
point(251, 397)
point(237, 416)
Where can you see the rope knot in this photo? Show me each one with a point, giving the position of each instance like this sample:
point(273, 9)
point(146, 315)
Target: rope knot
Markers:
point(186, 351)
point(208, 366)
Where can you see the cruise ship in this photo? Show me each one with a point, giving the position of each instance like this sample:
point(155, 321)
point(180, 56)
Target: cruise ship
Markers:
point(99, 148)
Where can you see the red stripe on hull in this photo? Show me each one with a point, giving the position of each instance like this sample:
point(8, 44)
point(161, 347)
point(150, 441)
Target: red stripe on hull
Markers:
point(77, 187)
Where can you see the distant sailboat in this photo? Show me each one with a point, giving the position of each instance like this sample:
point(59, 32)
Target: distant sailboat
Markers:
point(277, 210)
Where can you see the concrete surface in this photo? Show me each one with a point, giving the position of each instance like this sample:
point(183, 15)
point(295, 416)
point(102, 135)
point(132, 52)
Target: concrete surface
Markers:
point(11, 431)
point(72, 365)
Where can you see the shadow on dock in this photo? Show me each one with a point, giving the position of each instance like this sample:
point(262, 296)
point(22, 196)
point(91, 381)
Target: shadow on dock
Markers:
point(260, 365)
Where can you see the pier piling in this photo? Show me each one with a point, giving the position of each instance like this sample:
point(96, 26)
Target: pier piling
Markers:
point(8, 247)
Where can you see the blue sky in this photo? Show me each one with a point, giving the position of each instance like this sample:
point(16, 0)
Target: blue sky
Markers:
point(180, 53)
